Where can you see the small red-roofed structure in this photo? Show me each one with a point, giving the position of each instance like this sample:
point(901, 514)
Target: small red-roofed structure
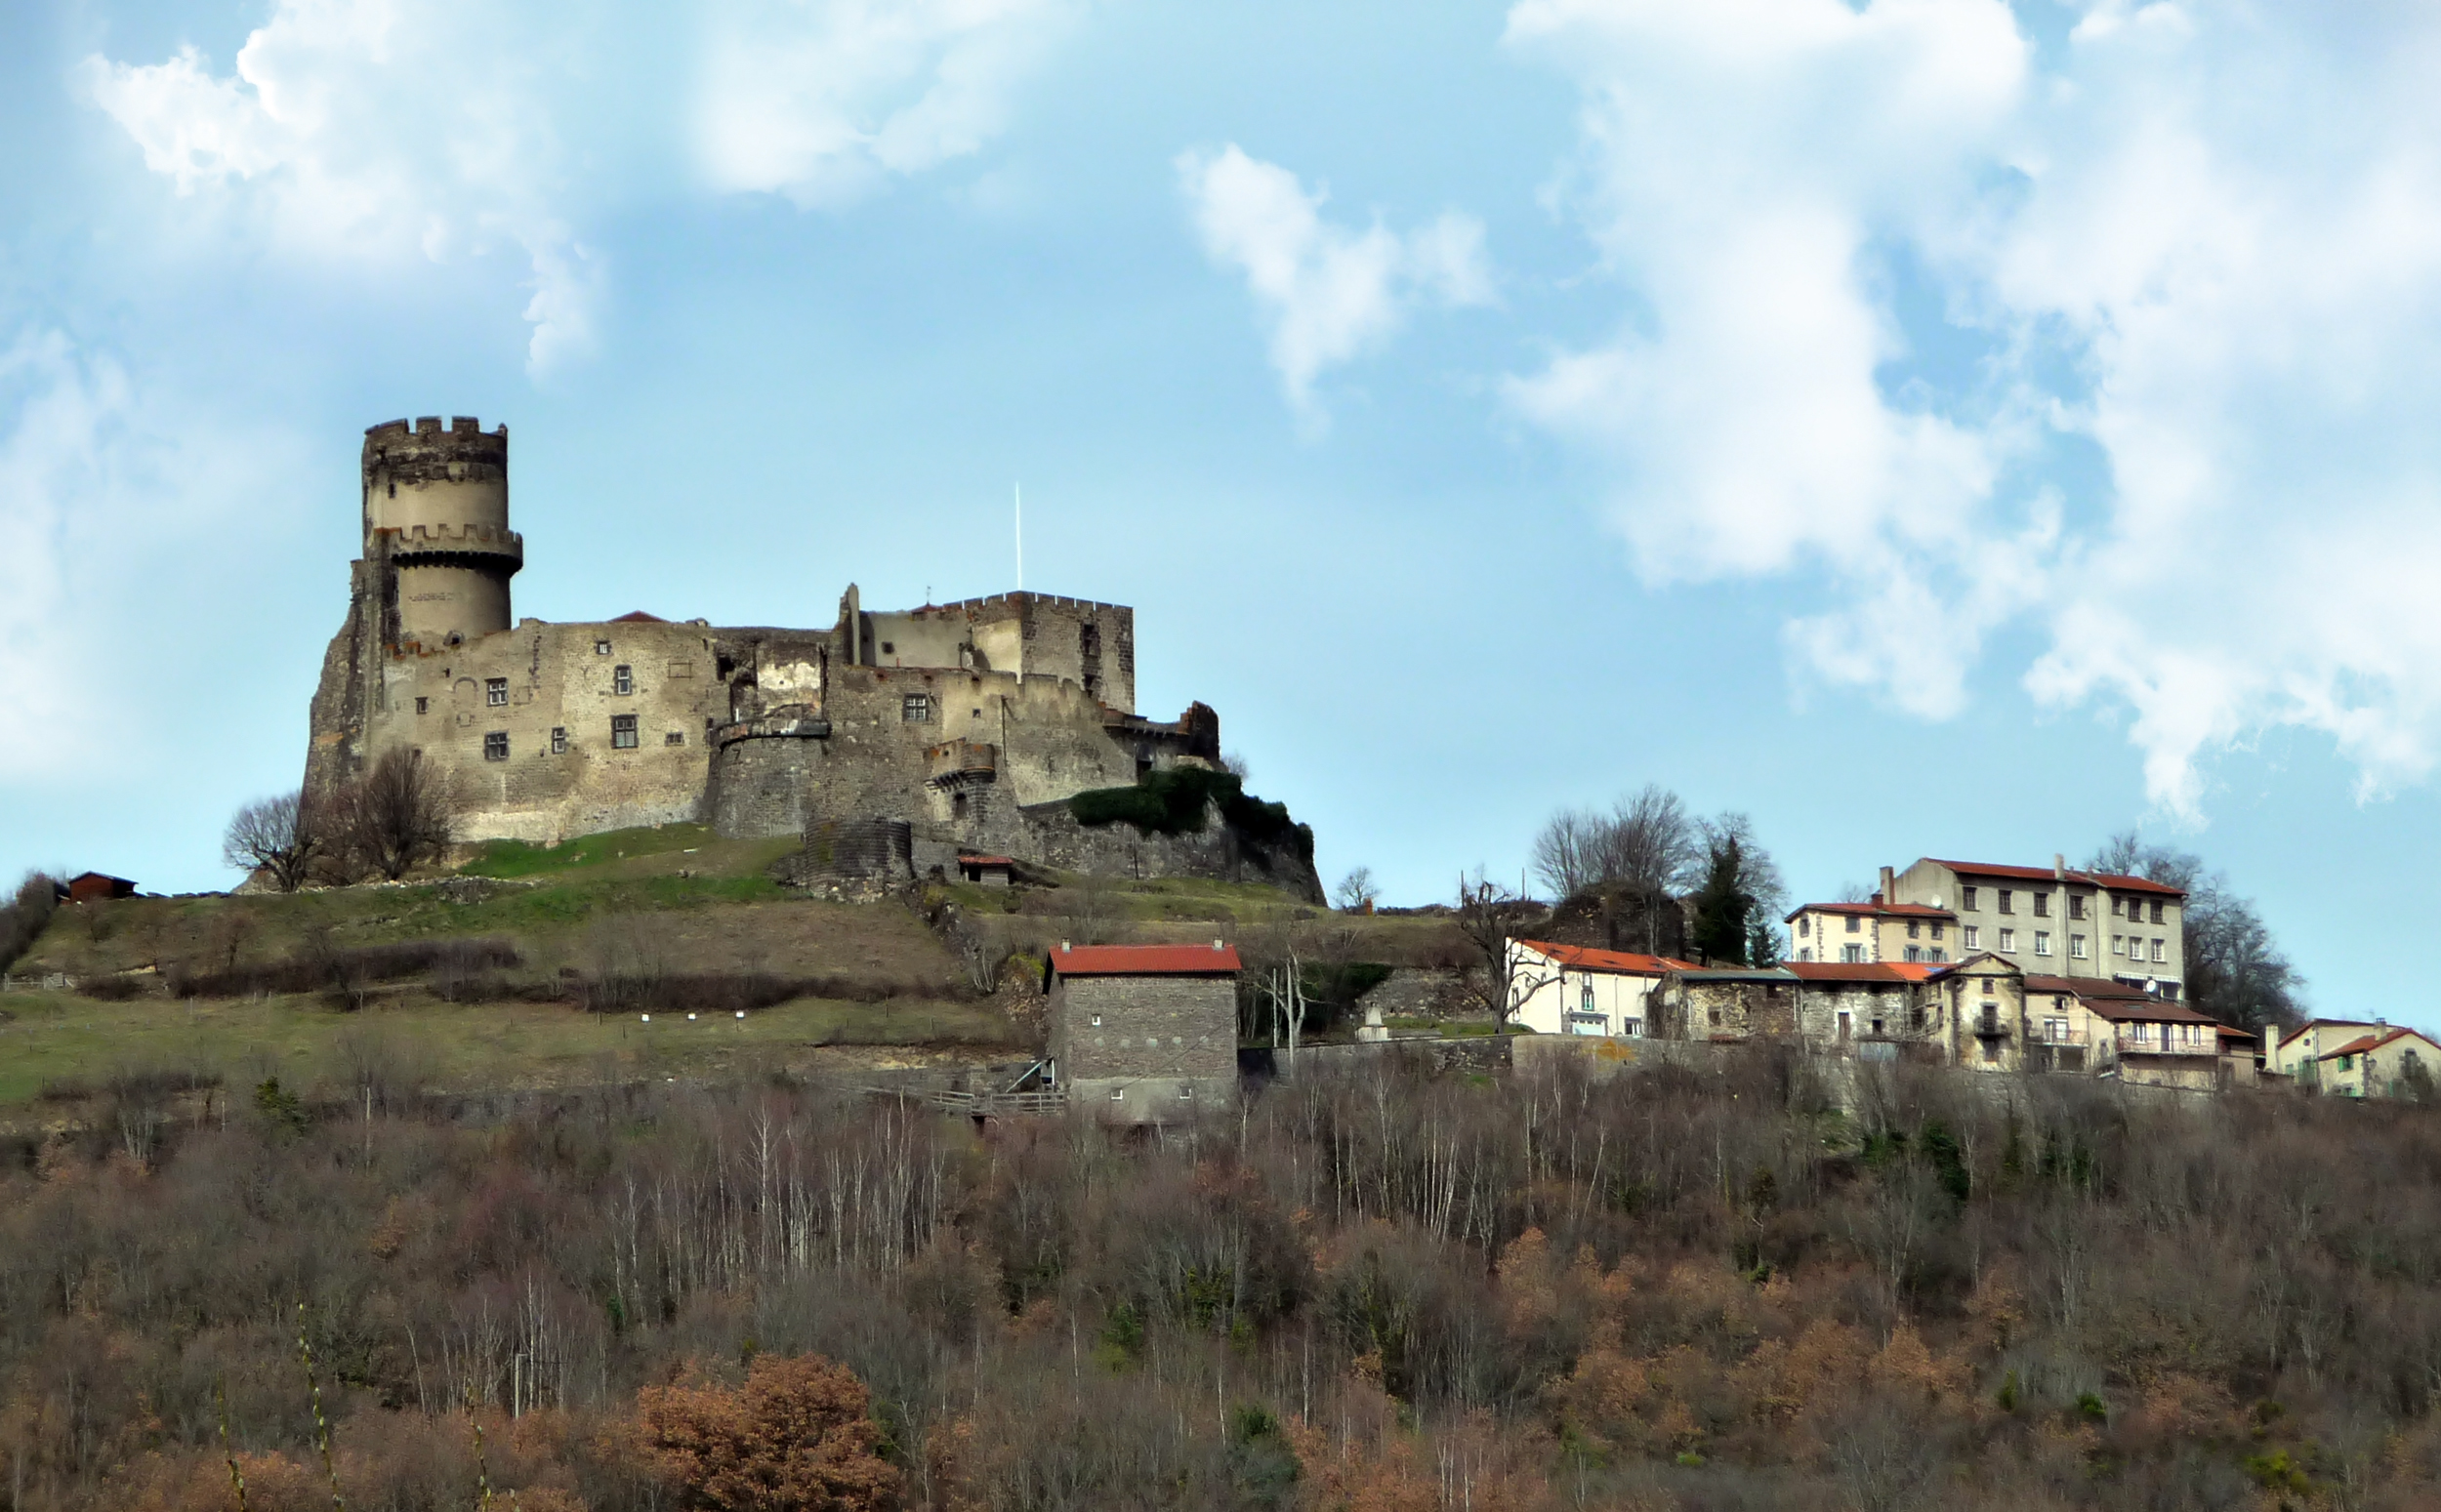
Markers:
point(1144, 1034)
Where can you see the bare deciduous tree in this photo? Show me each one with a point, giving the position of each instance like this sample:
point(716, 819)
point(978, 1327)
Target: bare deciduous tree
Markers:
point(2235, 971)
point(1356, 891)
point(397, 817)
point(277, 837)
point(1647, 839)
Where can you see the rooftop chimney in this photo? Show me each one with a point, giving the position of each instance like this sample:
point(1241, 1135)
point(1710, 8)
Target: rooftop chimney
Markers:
point(2060, 866)
point(1889, 892)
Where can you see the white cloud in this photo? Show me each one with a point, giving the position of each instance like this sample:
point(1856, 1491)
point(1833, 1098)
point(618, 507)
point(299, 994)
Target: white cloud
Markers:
point(2205, 240)
point(822, 100)
point(1327, 293)
point(367, 131)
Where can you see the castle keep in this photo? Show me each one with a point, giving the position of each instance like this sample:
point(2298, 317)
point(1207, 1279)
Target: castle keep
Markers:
point(960, 727)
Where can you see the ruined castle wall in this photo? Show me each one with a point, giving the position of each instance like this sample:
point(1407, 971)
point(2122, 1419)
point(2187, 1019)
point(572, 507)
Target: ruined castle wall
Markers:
point(1037, 635)
point(553, 692)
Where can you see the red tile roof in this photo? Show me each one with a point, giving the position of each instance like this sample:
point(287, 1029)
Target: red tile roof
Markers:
point(2043, 873)
point(2086, 986)
point(1147, 961)
point(1873, 910)
point(1865, 970)
point(2373, 1042)
point(987, 860)
point(2119, 1010)
point(1584, 958)
point(639, 617)
point(2327, 1023)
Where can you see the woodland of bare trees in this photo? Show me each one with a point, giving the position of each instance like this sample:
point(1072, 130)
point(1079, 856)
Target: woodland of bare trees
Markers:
point(1679, 884)
point(1376, 1290)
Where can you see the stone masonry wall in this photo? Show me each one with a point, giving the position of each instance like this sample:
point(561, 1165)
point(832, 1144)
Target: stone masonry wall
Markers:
point(1164, 1046)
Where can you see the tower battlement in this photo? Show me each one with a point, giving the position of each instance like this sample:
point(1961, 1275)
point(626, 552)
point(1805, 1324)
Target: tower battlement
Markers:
point(437, 515)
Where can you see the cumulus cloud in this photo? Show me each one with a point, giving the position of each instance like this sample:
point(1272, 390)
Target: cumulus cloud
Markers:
point(823, 100)
point(2202, 242)
point(371, 130)
point(1327, 293)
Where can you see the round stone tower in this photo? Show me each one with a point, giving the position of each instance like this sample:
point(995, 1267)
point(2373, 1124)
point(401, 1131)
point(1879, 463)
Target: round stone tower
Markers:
point(436, 509)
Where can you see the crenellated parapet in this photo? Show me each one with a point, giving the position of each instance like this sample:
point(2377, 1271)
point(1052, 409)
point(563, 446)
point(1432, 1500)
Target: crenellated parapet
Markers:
point(497, 546)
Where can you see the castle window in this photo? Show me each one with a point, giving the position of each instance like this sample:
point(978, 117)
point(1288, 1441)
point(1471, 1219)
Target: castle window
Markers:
point(622, 679)
point(1089, 639)
point(496, 692)
point(496, 746)
point(889, 648)
point(601, 649)
point(916, 708)
point(622, 732)
point(422, 704)
point(559, 740)
point(675, 737)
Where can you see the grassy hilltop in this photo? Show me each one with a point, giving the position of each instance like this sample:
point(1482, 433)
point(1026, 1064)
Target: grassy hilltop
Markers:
point(534, 966)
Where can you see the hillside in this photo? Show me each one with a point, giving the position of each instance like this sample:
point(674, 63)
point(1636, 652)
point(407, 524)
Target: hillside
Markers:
point(536, 967)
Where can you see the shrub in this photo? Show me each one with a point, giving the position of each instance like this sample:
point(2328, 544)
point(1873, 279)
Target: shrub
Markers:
point(1177, 800)
point(24, 918)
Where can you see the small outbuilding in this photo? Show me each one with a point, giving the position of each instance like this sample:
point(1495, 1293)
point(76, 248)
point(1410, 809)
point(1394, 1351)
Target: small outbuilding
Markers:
point(98, 888)
point(987, 871)
point(1144, 1034)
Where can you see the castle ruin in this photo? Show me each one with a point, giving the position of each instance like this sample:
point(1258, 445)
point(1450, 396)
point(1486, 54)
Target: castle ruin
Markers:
point(964, 727)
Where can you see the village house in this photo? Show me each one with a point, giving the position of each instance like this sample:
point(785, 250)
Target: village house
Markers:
point(1725, 1004)
point(1855, 933)
point(2298, 1052)
point(2383, 1063)
point(1575, 990)
point(1882, 1011)
point(2057, 919)
point(1143, 1033)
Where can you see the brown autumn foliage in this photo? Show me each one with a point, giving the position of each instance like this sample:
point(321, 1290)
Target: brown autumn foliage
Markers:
point(1379, 1290)
point(798, 1436)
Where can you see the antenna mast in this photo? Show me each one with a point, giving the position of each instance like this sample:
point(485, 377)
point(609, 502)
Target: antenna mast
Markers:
point(1020, 493)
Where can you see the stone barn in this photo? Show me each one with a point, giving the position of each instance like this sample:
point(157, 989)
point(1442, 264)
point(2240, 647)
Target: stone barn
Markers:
point(1143, 1033)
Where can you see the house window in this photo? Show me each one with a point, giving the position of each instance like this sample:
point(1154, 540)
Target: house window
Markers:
point(1936, 954)
point(2076, 947)
point(888, 649)
point(2056, 1029)
point(559, 740)
point(1914, 929)
point(1969, 936)
point(1852, 953)
point(2041, 942)
point(2157, 912)
point(2346, 1061)
point(622, 732)
point(1804, 953)
point(422, 703)
point(1804, 922)
point(2119, 945)
point(1969, 902)
point(2008, 939)
point(622, 679)
point(2009, 901)
point(1854, 924)
point(601, 649)
point(675, 737)
point(2076, 905)
point(916, 708)
point(496, 746)
point(2118, 906)
point(1914, 953)
point(1118, 1094)
point(1186, 1088)
point(496, 692)
point(1936, 929)
point(2041, 905)
point(1096, 1021)
point(2158, 950)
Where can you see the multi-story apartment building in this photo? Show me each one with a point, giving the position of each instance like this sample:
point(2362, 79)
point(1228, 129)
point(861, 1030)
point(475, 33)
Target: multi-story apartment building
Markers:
point(2057, 922)
point(1869, 933)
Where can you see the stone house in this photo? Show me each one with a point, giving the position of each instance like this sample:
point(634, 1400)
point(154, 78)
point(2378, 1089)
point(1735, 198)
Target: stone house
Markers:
point(1575, 990)
point(1143, 1033)
point(1725, 1006)
point(1887, 1010)
point(2383, 1063)
point(1855, 933)
point(2052, 920)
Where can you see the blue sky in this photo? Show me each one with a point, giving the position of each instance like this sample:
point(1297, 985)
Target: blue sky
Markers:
point(1931, 426)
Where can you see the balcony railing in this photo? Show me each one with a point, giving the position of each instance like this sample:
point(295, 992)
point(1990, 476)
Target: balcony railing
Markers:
point(2151, 1044)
